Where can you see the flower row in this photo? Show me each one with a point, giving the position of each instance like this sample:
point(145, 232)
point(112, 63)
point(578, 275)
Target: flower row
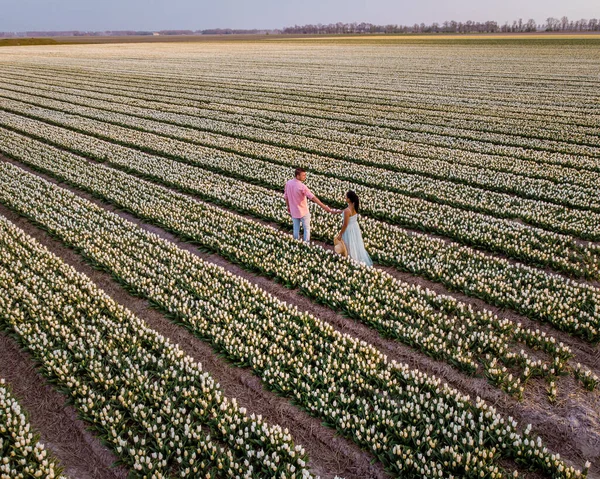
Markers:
point(522, 242)
point(302, 104)
point(409, 420)
point(22, 456)
point(564, 96)
point(409, 314)
point(212, 118)
point(403, 137)
point(556, 184)
point(586, 376)
point(298, 107)
point(160, 413)
point(538, 213)
point(524, 289)
point(516, 131)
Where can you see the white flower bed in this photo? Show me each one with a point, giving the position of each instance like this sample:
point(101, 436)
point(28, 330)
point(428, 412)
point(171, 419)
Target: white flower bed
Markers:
point(22, 456)
point(560, 185)
point(520, 134)
point(553, 217)
point(410, 421)
point(442, 327)
point(231, 96)
point(522, 242)
point(153, 405)
point(525, 289)
point(465, 140)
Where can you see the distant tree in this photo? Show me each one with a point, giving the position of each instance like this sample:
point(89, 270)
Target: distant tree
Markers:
point(530, 26)
point(552, 24)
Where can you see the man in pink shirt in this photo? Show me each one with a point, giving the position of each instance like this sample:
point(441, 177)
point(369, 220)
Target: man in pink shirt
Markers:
point(296, 194)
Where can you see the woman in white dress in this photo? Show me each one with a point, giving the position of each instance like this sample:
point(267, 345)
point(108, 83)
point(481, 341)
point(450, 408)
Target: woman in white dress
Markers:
point(350, 232)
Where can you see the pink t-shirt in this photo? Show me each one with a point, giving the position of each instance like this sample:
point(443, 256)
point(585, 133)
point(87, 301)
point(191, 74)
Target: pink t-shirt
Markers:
point(296, 193)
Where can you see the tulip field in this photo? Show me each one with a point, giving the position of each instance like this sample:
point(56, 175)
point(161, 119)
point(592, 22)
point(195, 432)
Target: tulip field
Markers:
point(149, 275)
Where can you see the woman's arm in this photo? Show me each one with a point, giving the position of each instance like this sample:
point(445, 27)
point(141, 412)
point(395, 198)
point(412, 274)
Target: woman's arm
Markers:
point(344, 224)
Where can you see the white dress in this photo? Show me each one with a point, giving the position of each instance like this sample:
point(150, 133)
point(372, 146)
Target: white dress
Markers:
point(354, 242)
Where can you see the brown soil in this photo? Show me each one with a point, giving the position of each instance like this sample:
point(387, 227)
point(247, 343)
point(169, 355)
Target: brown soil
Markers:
point(571, 427)
point(77, 450)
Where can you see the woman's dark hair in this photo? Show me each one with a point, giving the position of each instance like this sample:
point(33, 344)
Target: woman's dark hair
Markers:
point(354, 198)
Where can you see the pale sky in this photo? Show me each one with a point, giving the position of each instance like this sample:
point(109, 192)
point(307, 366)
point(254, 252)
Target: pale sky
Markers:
point(100, 15)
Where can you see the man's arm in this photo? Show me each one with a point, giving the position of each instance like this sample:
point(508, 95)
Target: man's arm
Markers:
point(285, 197)
point(318, 201)
point(311, 196)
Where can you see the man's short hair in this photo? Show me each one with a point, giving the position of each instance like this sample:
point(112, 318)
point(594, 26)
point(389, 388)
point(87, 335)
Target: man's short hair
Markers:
point(298, 171)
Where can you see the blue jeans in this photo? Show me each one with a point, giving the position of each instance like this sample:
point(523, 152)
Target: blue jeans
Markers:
point(305, 220)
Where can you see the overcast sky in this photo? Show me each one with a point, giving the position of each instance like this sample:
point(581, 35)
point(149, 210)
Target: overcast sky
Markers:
point(24, 15)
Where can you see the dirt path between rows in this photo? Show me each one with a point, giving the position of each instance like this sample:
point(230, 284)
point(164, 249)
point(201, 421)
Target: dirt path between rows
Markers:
point(571, 427)
point(77, 450)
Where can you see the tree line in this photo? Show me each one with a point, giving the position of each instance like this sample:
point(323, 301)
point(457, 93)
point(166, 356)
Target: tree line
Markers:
point(551, 24)
point(518, 26)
